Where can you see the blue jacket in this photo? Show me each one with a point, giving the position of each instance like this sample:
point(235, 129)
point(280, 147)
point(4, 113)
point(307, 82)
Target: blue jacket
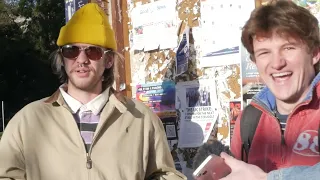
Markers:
point(296, 173)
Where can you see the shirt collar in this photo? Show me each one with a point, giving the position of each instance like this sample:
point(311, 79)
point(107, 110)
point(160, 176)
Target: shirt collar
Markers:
point(74, 104)
point(95, 105)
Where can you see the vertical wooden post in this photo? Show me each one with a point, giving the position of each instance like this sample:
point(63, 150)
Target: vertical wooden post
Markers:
point(120, 26)
point(258, 3)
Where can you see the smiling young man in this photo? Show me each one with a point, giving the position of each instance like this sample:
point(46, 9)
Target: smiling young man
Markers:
point(283, 41)
point(86, 130)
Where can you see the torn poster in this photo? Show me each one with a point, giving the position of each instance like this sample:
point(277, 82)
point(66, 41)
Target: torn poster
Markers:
point(182, 54)
point(221, 32)
point(71, 6)
point(155, 25)
point(251, 81)
point(197, 103)
point(160, 97)
point(170, 127)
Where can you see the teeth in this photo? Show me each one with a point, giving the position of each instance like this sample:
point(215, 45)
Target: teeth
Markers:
point(281, 74)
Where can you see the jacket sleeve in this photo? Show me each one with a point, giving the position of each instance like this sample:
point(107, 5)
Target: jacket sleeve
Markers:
point(296, 172)
point(160, 163)
point(12, 164)
point(236, 142)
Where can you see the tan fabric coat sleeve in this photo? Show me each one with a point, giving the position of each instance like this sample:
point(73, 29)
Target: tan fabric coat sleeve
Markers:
point(12, 165)
point(160, 164)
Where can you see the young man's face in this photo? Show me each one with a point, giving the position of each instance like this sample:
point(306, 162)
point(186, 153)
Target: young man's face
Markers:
point(85, 73)
point(286, 65)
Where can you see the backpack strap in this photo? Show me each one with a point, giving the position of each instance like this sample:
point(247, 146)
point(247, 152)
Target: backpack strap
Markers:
point(248, 125)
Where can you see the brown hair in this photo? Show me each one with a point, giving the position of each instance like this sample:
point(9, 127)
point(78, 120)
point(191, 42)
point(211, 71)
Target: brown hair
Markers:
point(109, 75)
point(286, 18)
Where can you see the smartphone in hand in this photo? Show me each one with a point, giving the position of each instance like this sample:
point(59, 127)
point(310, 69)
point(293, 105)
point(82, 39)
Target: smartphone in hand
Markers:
point(212, 168)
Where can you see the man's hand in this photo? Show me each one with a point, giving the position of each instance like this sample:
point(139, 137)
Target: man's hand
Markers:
point(242, 170)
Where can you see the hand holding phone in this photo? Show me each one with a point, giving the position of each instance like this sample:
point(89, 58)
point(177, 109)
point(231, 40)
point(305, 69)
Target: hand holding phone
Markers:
point(212, 168)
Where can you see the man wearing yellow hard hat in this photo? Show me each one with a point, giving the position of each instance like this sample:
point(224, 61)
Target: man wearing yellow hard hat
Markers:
point(86, 130)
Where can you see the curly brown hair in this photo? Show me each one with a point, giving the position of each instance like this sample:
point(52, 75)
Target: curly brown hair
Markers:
point(286, 19)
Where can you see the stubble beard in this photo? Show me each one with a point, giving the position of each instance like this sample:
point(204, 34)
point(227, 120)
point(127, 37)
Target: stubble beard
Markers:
point(87, 85)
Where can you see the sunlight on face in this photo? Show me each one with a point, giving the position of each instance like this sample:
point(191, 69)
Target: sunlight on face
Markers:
point(83, 73)
point(286, 65)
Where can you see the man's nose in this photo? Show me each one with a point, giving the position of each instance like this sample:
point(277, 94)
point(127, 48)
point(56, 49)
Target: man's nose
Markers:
point(82, 58)
point(278, 61)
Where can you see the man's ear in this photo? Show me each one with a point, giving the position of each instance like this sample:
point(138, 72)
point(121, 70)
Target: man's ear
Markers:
point(61, 62)
point(109, 62)
point(316, 56)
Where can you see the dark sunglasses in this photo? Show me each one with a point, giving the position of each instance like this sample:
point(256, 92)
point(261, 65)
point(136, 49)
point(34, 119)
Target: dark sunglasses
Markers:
point(92, 52)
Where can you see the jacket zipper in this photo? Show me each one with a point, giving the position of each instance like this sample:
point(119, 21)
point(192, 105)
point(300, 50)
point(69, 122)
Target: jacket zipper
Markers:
point(288, 125)
point(273, 114)
point(89, 165)
point(88, 154)
point(89, 160)
point(289, 117)
point(263, 108)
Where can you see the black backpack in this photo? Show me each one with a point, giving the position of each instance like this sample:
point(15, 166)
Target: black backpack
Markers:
point(248, 125)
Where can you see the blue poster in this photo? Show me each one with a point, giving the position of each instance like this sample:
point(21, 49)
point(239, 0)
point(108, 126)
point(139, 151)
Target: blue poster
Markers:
point(182, 54)
point(71, 6)
point(160, 97)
